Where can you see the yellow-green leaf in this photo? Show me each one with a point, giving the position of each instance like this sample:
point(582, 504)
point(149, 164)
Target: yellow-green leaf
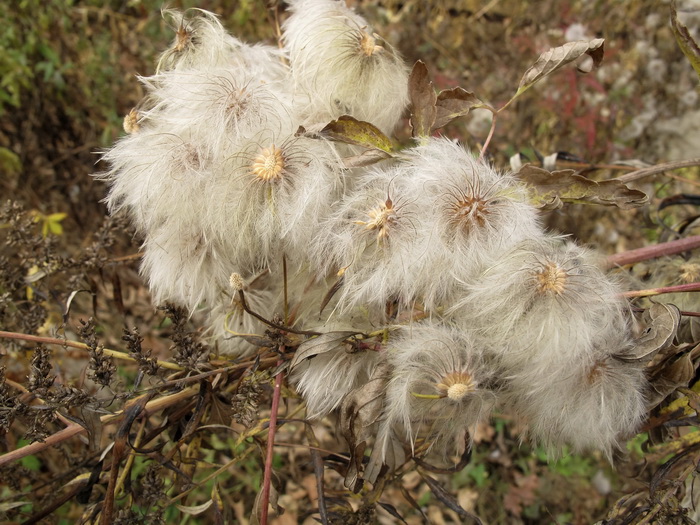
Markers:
point(352, 131)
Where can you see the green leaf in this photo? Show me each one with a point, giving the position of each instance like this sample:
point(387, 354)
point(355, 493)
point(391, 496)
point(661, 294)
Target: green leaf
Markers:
point(352, 131)
point(685, 41)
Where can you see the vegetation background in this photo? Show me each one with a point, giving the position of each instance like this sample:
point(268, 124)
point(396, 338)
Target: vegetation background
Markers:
point(67, 78)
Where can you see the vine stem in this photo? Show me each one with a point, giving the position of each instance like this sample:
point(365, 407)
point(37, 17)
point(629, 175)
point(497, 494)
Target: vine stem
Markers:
point(267, 475)
point(151, 407)
point(690, 287)
point(659, 168)
point(82, 346)
point(494, 114)
point(652, 252)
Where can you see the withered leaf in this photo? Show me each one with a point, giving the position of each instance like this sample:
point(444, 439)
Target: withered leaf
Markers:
point(387, 452)
point(549, 190)
point(447, 499)
point(366, 158)
point(555, 58)
point(337, 285)
point(194, 509)
point(453, 103)
point(317, 461)
point(360, 409)
point(674, 372)
point(423, 98)
point(320, 345)
point(685, 41)
point(662, 325)
point(392, 510)
point(273, 507)
point(349, 130)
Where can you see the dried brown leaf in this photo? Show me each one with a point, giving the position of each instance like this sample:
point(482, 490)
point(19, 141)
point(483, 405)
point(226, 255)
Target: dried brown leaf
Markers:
point(359, 411)
point(549, 190)
point(274, 508)
point(366, 158)
point(454, 103)
point(387, 452)
point(685, 41)
point(447, 499)
point(662, 325)
point(557, 57)
point(320, 345)
point(675, 372)
point(423, 98)
point(194, 509)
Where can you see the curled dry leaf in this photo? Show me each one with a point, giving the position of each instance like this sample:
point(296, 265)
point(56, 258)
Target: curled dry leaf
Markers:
point(320, 345)
point(349, 130)
point(423, 100)
point(194, 509)
point(387, 452)
point(366, 158)
point(549, 190)
point(454, 103)
point(360, 409)
point(676, 371)
point(447, 499)
point(274, 507)
point(555, 58)
point(662, 325)
point(685, 41)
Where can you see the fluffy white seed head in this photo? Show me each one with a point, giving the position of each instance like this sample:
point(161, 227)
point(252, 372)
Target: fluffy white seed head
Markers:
point(201, 42)
point(372, 238)
point(474, 214)
point(324, 380)
point(157, 176)
point(543, 306)
point(184, 267)
point(267, 199)
point(221, 106)
point(230, 327)
point(439, 388)
point(340, 66)
point(593, 407)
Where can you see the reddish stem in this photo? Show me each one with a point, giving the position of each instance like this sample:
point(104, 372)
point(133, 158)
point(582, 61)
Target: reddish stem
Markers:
point(690, 287)
point(652, 252)
point(267, 475)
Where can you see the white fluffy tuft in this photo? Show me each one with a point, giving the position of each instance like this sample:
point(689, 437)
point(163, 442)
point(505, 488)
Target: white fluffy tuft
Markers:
point(340, 67)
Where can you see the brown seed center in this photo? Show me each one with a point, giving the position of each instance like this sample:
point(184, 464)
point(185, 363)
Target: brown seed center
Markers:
point(551, 279)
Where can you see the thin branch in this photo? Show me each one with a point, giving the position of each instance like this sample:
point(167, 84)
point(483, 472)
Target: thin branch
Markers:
point(652, 252)
point(690, 287)
point(494, 114)
point(151, 407)
point(82, 346)
point(267, 474)
point(259, 317)
point(659, 168)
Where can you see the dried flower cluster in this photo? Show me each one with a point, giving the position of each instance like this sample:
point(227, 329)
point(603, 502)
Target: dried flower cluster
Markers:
point(437, 291)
